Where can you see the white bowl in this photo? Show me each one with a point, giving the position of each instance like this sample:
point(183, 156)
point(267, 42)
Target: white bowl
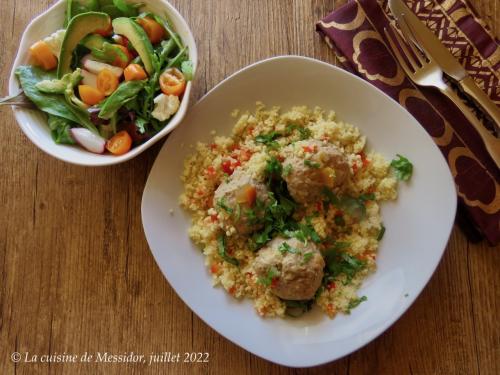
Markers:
point(418, 223)
point(34, 123)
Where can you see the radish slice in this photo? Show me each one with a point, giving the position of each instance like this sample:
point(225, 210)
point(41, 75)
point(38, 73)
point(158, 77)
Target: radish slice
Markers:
point(96, 66)
point(88, 140)
point(89, 79)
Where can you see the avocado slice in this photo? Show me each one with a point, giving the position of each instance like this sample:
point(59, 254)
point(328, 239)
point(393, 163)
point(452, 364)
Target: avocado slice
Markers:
point(79, 27)
point(139, 40)
point(102, 49)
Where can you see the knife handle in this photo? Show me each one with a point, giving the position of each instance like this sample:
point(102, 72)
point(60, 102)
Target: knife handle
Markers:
point(491, 142)
point(474, 91)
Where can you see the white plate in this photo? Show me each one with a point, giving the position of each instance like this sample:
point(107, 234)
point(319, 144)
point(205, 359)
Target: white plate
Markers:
point(418, 223)
point(34, 123)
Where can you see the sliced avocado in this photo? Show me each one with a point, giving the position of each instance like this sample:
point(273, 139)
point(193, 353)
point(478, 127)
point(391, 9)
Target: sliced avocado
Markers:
point(79, 27)
point(102, 49)
point(92, 41)
point(139, 40)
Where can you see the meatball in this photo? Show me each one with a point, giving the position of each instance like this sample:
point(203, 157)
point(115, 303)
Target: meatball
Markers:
point(295, 268)
point(240, 200)
point(312, 165)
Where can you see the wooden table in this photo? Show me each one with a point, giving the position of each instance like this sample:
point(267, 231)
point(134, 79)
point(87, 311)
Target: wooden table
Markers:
point(77, 275)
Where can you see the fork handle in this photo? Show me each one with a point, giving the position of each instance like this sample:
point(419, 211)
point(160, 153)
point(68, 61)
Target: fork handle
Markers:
point(491, 143)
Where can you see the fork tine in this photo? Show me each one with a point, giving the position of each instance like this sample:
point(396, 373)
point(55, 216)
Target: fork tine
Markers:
point(407, 53)
point(409, 35)
point(397, 54)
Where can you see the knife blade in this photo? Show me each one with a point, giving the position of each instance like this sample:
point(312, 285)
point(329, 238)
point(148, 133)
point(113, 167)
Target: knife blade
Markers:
point(426, 40)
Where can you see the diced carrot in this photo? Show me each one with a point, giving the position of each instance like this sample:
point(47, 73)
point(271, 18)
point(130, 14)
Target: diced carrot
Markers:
point(247, 195)
point(214, 268)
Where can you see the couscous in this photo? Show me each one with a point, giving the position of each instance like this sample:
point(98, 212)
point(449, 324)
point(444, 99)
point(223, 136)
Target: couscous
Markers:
point(286, 209)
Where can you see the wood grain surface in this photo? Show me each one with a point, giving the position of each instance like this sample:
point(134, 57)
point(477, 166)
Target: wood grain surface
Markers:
point(76, 274)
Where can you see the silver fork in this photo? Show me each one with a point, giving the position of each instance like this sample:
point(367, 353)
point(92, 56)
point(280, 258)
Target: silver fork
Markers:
point(423, 71)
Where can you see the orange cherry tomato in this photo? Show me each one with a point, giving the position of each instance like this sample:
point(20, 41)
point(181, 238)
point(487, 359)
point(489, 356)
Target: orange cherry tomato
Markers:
point(134, 72)
point(105, 32)
point(107, 82)
point(172, 82)
point(90, 95)
point(120, 143)
point(118, 60)
point(155, 31)
point(43, 56)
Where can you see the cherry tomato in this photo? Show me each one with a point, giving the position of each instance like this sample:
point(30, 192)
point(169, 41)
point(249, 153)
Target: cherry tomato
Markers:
point(43, 56)
point(134, 72)
point(172, 82)
point(155, 31)
point(107, 82)
point(120, 143)
point(90, 95)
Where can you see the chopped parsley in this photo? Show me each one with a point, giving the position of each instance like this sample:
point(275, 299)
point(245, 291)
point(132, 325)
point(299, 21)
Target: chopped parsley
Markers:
point(304, 133)
point(287, 169)
point(304, 232)
point(403, 168)
point(355, 303)
point(307, 257)
point(267, 280)
point(269, 139)
point(339, 263)
point(221, 241)
point(221, 203)
point(311, 164)
point(381, 232)
point(286, 248)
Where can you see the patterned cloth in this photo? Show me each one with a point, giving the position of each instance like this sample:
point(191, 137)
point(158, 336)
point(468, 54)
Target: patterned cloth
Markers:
point(356, 33)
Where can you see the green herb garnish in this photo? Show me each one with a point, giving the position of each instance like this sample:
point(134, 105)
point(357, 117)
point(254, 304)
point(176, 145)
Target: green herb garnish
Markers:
point(339, 262)
point(311, 164)
point(355, 303)
point(304, 133)
point(221, 203)
point(287, 169)
point(403, 168)
point(221, 241)
point(297, 308)
point(307, 257)
point(269, 139)
point(267, 280)
point(286, 248)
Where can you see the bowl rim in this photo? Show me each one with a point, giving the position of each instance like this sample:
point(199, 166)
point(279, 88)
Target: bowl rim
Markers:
point(91, 159)
point(395, 316)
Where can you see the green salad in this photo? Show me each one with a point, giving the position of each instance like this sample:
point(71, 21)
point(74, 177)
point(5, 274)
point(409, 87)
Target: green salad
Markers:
point(109, 80)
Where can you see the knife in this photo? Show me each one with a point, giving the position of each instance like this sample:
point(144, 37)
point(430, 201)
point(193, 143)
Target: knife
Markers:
point(426, 39)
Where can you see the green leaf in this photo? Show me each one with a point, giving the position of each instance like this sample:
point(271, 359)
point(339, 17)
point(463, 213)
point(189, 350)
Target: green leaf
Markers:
point(125, 92)
point(287, 169)
point(311, 164)
point(267, 280)
point(221, 203)
point(53, 104)
point(221, 241)
point(403, 168)
point(296, 309)
point(307, 257)
point(268, 139)
point(188, 70)
point(355, 303)
point(59, 130)
point(286, 248)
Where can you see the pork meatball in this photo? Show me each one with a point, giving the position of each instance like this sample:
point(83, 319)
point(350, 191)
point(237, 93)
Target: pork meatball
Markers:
point(240, 202)
point(312, 165)
point(291, 268)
